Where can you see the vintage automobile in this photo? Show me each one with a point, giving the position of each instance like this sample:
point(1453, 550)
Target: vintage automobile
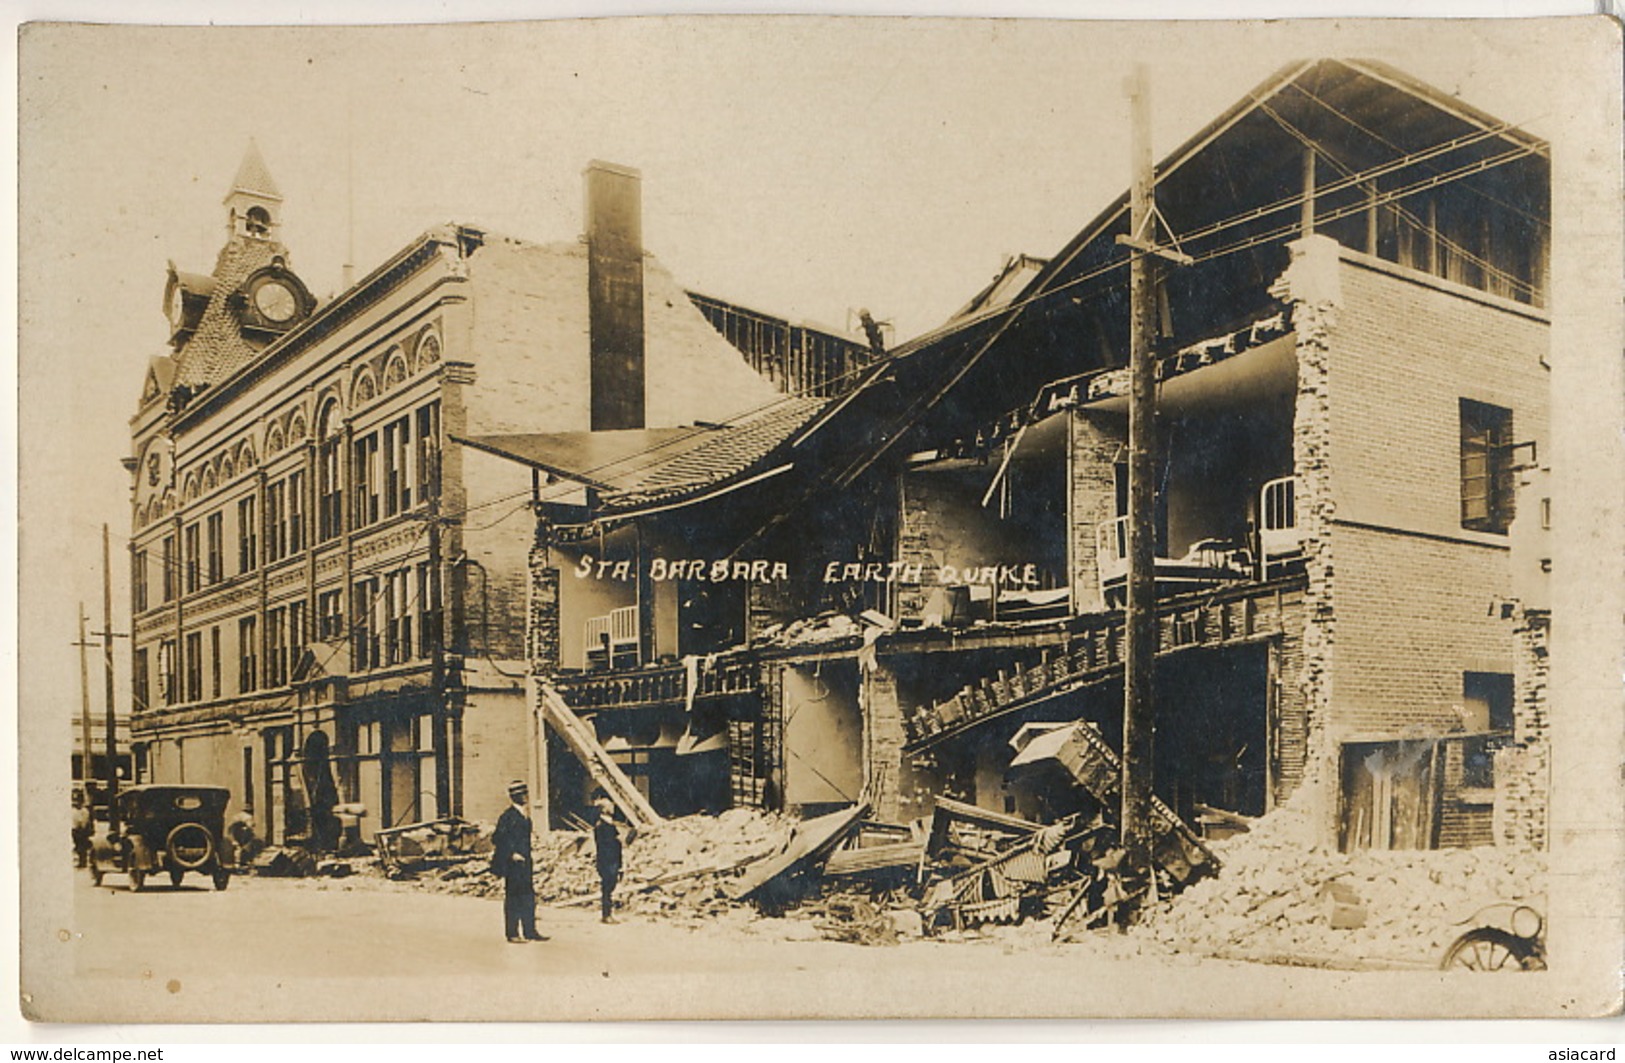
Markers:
point(175, 829)
point(1504, 937)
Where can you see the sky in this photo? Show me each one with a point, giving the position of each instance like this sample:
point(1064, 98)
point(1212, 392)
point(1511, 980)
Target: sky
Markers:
point(805, 167)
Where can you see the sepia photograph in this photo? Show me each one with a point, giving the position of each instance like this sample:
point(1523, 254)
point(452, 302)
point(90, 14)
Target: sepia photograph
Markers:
point(820, 518)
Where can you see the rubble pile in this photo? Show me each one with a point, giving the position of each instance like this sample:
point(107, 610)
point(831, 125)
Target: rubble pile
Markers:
point(675, 870)
point(1279, 898)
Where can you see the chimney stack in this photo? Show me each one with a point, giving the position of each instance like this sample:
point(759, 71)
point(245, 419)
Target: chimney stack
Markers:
point(615, 294)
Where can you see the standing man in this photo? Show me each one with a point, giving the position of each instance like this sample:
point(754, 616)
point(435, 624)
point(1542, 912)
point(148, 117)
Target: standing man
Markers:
point(511, 859)
point(82, 829)
point(606, 840)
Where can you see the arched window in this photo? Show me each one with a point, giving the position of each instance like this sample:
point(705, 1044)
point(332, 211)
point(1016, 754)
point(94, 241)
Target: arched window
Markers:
point(394, 369)
point(296, 428)
point(329, 472)
point(259, 221)
point(428, 349)
point(209, 481)
point(365, 389)
point(228, 469)
point(273, 440)
point(190, 489)
point(245, 457)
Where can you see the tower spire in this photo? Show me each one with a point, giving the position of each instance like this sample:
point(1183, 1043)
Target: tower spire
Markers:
point(253, 204)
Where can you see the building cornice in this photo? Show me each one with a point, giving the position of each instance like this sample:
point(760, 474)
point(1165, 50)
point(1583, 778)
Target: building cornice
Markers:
point(327, 320)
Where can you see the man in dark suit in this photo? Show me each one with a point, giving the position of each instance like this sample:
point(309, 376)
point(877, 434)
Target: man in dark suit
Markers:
point(511, 859)
point(606, 837)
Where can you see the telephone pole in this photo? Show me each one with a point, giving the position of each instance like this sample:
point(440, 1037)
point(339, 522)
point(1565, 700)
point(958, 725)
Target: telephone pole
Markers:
point(84, 704)
point(107, 653)
point(1140, 622)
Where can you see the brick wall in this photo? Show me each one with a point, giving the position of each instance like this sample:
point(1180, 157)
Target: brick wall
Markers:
point(496, 750)
point(1096, 443)
point(528, 341)
point(1405, 354)
point(1399, 593)
point(1523, 768)
point(1413, 615)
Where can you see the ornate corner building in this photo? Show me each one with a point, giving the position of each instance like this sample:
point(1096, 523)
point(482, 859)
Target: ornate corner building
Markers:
point(328, 591)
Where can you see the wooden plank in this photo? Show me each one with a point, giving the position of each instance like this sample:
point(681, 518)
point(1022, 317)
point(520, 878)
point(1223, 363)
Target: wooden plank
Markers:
point(583, 742)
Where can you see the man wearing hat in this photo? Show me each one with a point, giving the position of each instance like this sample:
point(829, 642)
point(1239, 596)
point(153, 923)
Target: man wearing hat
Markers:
point(511, 859)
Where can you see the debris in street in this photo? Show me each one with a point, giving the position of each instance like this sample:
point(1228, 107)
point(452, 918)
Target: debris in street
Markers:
point(417, 847)
point(1280, 898)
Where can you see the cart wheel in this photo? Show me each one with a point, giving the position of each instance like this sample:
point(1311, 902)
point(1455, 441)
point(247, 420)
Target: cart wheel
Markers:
point(1489, 949)
point(222, 879)
point(175, 876)
point(138, 878)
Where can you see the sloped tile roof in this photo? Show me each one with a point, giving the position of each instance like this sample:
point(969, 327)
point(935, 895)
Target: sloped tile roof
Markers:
point(639, 467)
point(218, 346)
point(718, 456)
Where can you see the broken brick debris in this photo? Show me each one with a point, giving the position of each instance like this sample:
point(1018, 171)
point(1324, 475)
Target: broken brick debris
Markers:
point(1279, 898)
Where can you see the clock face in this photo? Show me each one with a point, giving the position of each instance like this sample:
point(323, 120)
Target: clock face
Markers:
point(172, 305)
point(276, 302)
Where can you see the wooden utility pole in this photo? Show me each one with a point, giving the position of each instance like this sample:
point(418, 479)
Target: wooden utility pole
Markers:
point(1140, 623)
point(107, 653)
point(84, 704)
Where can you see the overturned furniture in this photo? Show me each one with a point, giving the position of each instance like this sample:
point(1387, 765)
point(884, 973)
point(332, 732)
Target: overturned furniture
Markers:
point(1081, 751)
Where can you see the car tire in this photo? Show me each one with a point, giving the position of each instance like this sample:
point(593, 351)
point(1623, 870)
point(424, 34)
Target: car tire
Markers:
point(189, 846)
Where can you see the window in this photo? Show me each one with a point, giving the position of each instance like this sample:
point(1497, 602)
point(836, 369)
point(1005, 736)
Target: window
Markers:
point(298, 636)
point(248, 662)
point(248, 543)
point(194, 666)
point(398, 466)
point(428, 599)
point(330, 507)
point(1486, 467)
point(364, 481)
point(428, 441)
point(276, 647)
point(364, 628)
point(139, 680)
point(276, 528)
point(189, 541)
point(214, 661)
point(1487, 706)
point(329, 473)
point(170, 572)
point(330, 606)
point(398, 617)
point(296, 512)
point(215, 540)
point(138, 581)
point(168, 680)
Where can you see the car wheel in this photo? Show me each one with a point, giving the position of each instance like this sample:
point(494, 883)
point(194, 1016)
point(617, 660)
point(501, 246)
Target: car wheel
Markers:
point(189, 846)
point(1489, 949)
point(222, 879)
point(138, 878)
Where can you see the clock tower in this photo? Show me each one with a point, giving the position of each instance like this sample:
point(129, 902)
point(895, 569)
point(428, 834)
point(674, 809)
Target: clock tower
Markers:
point(221, 320)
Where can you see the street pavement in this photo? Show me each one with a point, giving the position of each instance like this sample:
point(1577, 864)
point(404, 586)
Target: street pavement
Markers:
point(283, 950)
